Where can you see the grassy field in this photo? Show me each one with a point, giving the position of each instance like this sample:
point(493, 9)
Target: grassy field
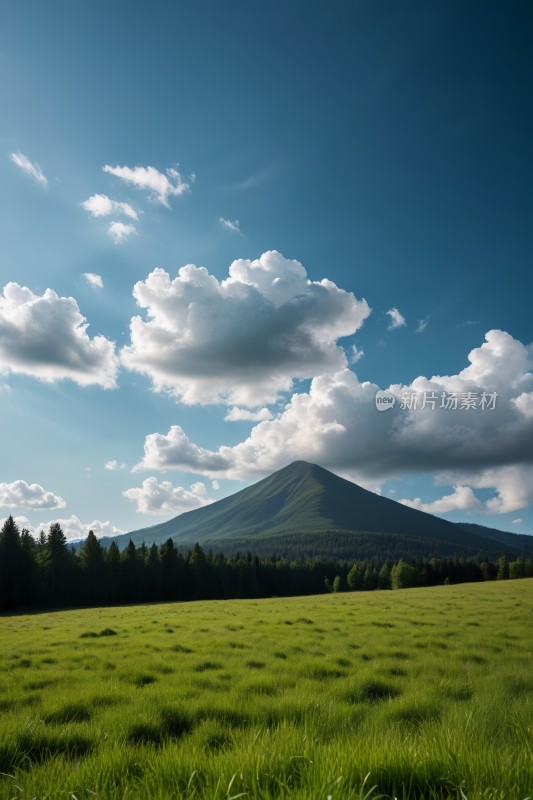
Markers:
point(428, 692)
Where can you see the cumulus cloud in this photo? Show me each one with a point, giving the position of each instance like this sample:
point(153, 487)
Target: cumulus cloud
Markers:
point(161, 185)
point(120, 231)
point(164, 498)
point(237, 414)
point(462, 499)
point(72, 527)
point(100, 205)
point(230, 225)
point(513, 484)
point(20, 494)
point(46, 337)
point(397, 320)
point(94, 280)
point(524, 404)
point(113, 465)
point(336, 424)
point(30, 168)
point(243, 340)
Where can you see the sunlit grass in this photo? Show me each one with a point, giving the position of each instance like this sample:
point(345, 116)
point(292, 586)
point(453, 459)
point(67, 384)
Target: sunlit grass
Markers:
point(429, 692)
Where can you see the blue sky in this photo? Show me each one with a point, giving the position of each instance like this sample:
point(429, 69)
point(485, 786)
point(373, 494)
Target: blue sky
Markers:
point(366, 171)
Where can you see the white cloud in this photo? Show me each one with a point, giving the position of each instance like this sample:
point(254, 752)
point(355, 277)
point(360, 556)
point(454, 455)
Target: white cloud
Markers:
point(230, 225)
point(20, 494)
point(46, 337)
point(120, 231)
point(164, 498)
point(422, 325)
point(243, 340)
point(517, 521)
point(113, 465)
point(524, 404)
point(215, 485)
point(94, 280)
point(73, 528)
point(237, 414)
point(355, 354)
point(30, 168)
point(162, 186)
point(397, 320)
point(462, 499)
point(513, 484)
point(100, 205)
point(336, 424)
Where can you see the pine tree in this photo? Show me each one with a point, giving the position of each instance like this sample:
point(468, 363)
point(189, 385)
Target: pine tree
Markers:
point(153, 574)
point(93, 564)
point(58, 566)
point(403, 575)
point(503, 569)
point(115, 590)
point(516, 569)
point(11, 578)
point(384, 577)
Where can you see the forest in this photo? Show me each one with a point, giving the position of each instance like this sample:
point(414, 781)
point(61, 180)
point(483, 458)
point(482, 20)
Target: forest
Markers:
point(48, 572)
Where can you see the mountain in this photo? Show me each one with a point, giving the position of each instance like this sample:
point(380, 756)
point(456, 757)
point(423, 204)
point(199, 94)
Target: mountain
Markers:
point(520, 541)
point(306, 503)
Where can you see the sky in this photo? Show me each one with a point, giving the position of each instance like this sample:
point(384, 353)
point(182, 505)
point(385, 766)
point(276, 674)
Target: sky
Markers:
point(226, 227)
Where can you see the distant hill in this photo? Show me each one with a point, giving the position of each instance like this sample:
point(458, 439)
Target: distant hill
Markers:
point(307, 504)
point(520, 541)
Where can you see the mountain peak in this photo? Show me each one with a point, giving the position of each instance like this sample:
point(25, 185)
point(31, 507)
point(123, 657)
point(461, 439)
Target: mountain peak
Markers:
point(305, 499)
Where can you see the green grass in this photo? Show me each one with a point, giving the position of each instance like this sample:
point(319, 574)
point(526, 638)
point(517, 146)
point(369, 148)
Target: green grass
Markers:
point(428, 692)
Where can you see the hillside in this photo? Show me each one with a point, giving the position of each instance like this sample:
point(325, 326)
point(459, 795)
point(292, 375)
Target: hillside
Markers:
point(305, 499)
point(520, 541)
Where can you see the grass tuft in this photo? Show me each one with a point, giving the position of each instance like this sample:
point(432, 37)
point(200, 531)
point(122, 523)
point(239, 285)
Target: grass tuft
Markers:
point(372, 691)
point(72, 712)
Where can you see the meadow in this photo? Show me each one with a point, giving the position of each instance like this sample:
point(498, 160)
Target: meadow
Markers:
point(419, 693)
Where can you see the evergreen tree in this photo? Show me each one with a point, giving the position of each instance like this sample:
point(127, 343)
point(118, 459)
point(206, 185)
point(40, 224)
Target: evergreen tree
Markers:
point(11, 577)
point(516, 568)
point(132, 573)
point(356, 577)
point(384, 577)
point(154, 589)
point(370, 579)
point(58, 567)
point(503, 569)
point(93, 565)
point(403, 575)
point(198, 563)
point(115, 591)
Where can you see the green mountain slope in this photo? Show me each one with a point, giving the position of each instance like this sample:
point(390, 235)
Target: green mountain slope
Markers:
point(306, 499)
point(520, 541)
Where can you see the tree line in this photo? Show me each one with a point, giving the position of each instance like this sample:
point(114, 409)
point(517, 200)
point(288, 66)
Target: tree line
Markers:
point(47, 573)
